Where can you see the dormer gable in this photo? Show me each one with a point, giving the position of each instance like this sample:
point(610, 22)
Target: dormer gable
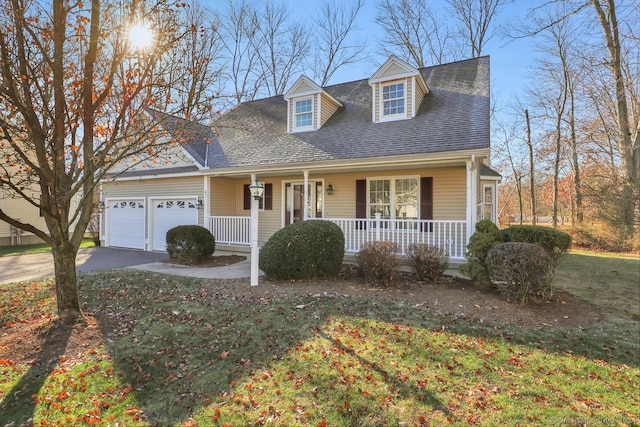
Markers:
point(397, 91)
point(308, 106)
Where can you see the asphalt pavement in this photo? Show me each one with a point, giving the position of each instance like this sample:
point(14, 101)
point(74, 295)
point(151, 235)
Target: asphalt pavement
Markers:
point(26, 267)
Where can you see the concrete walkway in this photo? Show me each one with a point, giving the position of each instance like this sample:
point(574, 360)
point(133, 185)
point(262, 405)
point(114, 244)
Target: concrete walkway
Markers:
point(27, 267)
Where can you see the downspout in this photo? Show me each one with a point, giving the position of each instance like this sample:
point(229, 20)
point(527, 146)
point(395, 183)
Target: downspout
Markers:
point(471, 196)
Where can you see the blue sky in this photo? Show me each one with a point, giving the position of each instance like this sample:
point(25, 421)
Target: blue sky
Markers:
point(510, 59)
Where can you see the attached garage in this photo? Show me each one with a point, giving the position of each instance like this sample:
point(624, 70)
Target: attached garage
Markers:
point(167, 213)
point(125, 223)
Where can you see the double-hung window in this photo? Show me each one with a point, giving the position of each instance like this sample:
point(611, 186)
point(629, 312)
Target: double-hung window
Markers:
point(304, 114)
point(488, 203)
point(393, 99)
point(394, 198)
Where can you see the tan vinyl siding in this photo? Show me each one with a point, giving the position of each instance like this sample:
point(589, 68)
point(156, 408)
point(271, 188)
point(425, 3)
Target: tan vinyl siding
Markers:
point(25, 212)
point(419, 96)
point(224, 196)
point(408, 95)
point(157, 188)
point(376, 103)
point(171, 158)
point(449, 191)
point(291, 104)
point(328, 108)
point(393, 70)
point(314, 107)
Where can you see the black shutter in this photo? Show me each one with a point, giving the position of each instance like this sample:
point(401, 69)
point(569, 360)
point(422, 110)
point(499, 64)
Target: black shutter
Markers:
point(361, 203)
point(268, 197)
point(246, 194)
point(426, 200)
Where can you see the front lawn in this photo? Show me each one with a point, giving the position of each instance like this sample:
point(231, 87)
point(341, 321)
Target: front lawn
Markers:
point(166, 350)
point(36, 248)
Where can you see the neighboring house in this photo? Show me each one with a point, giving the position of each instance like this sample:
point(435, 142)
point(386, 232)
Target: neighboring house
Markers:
point(400, 156)
point(23, 211)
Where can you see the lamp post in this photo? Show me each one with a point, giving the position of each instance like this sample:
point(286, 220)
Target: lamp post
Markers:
point(256, 189)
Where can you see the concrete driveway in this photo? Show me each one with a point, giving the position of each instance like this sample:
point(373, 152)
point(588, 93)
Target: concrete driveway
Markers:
point(27, 267)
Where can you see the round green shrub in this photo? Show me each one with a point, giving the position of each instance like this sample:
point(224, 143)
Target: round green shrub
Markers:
point(555, 242)
point(304, 250)
point(521, 271)
point(487, 236)
point(190, 244)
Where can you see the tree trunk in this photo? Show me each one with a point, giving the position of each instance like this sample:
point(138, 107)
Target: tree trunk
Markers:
point(64, 261)
point(629, 152)
point(531, 169)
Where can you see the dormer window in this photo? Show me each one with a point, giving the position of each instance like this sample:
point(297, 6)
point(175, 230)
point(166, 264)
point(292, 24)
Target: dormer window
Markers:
point(304, 114)
point(397, 90)
point(308, 106)
point(393, 99)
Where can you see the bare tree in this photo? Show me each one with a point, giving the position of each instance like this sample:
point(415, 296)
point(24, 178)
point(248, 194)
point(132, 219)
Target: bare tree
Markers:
point(415, 32)
point(475, 18)
point(238, 33)
point(334, 45)
point(281, 46)
point(628, 137)
point(532, 179)
point(69, 116)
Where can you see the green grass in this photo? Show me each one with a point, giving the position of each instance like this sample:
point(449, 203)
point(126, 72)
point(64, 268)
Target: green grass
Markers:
point(180, 351)
point(37, 248)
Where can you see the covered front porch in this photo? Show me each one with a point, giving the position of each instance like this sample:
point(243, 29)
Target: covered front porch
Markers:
point(451, 236)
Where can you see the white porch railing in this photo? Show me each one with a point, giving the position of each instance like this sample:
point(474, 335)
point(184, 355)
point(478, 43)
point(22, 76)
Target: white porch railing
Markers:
point(231, 230)
point(448, 235)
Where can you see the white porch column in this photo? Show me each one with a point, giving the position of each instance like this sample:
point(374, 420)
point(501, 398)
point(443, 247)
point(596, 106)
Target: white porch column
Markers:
point(305, 208)
point(255, 271)
point(205, 203)
point(471, 195)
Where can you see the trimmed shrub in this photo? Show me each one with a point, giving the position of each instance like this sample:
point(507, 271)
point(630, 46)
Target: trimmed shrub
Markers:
point(304, 250)
point(378, 261)
point(521, 271)
point(190, 244)
point(487, 236)
point(428, 262)
point(555, 242)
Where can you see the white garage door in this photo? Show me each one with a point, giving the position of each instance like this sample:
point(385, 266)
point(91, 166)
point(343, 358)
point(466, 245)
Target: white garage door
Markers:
point(168, 213)
point(126, 223)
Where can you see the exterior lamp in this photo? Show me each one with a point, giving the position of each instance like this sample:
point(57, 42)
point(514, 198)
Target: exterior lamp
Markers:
point(330, 189)
point(101, 205)
point(257, 189)
point(199, 203)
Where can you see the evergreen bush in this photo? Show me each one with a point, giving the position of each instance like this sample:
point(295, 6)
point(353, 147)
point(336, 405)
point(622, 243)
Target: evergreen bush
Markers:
point(304, 250)
point(190, 244)
point(555, 242)
point(486, 236)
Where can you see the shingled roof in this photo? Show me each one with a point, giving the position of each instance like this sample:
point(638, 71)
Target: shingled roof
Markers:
point(453, 116)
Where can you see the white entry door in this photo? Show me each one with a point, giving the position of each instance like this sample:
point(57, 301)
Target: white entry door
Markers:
point(169, 213)
point(125, 223)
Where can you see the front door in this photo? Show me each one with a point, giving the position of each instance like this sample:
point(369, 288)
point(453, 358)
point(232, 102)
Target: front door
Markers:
point(294, 201)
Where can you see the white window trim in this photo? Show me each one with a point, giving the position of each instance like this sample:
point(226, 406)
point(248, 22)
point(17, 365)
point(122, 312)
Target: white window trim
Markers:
point(392, 193)
point(392, 117)
point(493, 202)
point(295, 115)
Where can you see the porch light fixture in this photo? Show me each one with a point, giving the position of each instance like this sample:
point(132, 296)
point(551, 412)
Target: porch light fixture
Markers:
point(199, 203)
point(257, 189)
point(330, 189)
point(101, 205)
